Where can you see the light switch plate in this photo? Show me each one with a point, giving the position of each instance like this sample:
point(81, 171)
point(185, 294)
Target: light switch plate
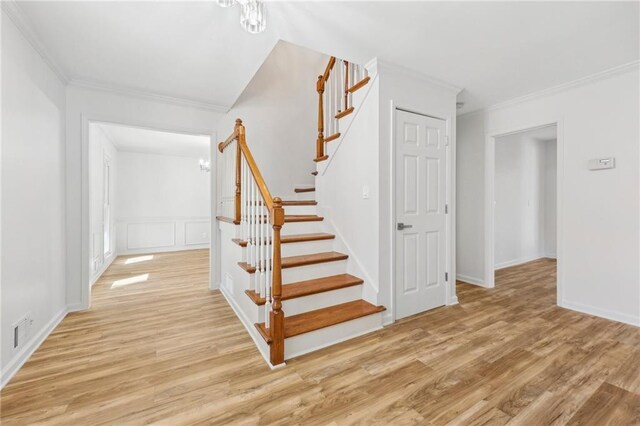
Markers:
point(365, 192)
point(602, 163)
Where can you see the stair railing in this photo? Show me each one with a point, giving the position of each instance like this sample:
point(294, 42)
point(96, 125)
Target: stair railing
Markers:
point(335, 88)
point(260, 217)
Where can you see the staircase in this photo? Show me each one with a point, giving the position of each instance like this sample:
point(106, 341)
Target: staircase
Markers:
point(299, 293)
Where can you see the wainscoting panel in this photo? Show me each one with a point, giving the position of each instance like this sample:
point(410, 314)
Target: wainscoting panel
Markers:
point(196, 233)
point(149, 235)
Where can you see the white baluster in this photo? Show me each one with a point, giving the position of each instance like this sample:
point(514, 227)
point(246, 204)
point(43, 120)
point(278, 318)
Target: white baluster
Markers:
point(263, 250)
point(256, 224)
point(249, 218)
point(352, 81)
point(267, 305)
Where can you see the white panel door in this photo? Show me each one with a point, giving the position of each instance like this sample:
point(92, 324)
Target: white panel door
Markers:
point(420, 186)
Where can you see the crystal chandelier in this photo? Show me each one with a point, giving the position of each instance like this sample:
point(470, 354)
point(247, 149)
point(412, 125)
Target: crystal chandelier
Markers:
point(225, 3)
point(252, 17)
point(205, 166)
point(252, 14)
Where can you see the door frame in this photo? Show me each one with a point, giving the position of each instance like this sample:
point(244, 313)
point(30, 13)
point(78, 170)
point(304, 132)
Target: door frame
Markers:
point(489, 199)
point(214, 243)
point(451, 297)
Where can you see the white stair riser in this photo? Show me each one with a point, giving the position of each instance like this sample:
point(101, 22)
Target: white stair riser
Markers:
point(306, 195)
point(310, 247)
point(299, 249)
point(291, 228)
point(328, 336)
point(310, 272)
point(312, 302)
point(294, 210)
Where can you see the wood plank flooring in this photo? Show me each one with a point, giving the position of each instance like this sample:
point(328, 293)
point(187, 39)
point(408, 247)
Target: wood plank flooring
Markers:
point(163, 349)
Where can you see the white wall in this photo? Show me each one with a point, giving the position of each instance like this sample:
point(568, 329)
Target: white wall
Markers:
point(352, 165)
point(470, 169)
point(84, 106)
point(599, 225)
point(279, 108)
point(163, 203)
point(550, 203)
point(33, 196)
point(521, 187)
point(101, 150)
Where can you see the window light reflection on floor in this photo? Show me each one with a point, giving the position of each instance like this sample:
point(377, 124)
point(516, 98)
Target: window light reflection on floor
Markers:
point(132, 280)
point(138, 259)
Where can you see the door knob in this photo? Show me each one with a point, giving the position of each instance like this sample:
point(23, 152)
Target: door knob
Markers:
point(402, 226)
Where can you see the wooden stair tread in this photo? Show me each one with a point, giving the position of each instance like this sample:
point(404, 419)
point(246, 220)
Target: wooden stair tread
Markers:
point(321, 318)
point(299, 190)
point(319, 159)
point(314, 173)
point(309, 287)
point(359, 84)
point(294, 238)
point(290, 218)
point(302, 260)
point(344, 113)
point(332, 137)
point(300, 203)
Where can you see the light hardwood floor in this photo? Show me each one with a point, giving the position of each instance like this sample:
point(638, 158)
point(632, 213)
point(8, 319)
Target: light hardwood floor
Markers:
point(169, 351)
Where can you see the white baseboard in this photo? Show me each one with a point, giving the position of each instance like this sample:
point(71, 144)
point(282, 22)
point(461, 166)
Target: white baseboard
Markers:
point(520, 261)
point(387, 318)
point(162, 250)
point(32, 345)
point(470, 280)
point(602, 313)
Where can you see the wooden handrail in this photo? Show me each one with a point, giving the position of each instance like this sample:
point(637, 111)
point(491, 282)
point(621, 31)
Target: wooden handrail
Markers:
point(342, 102)
point(276, 219)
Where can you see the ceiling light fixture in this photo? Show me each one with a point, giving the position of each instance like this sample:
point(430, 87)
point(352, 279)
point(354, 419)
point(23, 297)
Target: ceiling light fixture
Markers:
point(226, 3)
point(252, 14)
point(205, 166)
point(252, 17)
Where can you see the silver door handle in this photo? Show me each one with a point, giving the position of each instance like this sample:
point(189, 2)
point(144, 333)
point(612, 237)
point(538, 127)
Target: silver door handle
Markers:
point(402, 226)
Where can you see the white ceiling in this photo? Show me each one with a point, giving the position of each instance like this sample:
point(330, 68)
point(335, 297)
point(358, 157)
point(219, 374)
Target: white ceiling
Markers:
point(134, 139)
point(196, 50)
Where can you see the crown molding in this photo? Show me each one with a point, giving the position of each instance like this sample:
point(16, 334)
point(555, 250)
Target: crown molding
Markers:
point(17, 16)
point(381, 63)
point(621, 69)
point(147, 95)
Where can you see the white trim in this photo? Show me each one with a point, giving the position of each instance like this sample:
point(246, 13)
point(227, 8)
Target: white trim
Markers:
point(489, 197)
point(25, 353)
point(519, 261)
point(85, 215)
point(109, 261)
point(248, 326)
point(17, 16)
point(451, 297)
point(148, 95)
point(470, 280)
point(417, 75)
point(602, 313)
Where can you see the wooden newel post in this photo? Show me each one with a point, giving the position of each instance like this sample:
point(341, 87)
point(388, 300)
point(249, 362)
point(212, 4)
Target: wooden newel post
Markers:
point(239, 130)
point(276, 314)
point(320, 140)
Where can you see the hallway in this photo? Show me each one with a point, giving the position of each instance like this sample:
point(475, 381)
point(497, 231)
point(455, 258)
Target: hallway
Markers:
point(162, 348)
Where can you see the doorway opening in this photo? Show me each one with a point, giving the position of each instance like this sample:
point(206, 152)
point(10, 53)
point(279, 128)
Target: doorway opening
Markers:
point(149, 206)
point(523, 209)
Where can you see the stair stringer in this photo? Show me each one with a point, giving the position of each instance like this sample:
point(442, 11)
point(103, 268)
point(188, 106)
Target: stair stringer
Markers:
point(344, 124)
point(234, 283)
point(351, 170)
